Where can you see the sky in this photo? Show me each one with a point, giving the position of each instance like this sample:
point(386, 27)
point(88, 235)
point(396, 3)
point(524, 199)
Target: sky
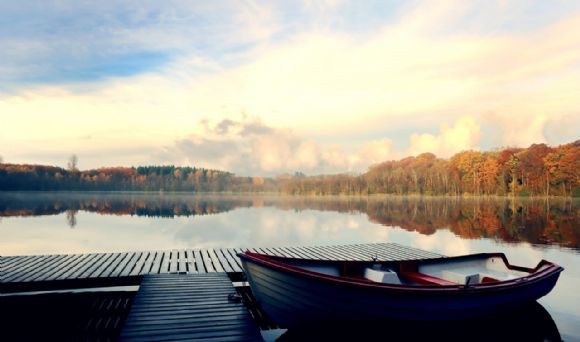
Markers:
point(272, 87)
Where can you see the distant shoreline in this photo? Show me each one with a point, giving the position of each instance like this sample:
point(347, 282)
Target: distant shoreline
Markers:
point(257, 193)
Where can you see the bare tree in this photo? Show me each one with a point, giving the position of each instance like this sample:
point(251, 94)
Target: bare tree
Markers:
point(1, 160)
point(73, 162)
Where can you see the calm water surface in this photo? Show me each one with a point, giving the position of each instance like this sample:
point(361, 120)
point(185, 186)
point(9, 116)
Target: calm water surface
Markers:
point(525, 230)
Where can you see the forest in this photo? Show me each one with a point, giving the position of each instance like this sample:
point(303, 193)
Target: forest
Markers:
point(539, 170)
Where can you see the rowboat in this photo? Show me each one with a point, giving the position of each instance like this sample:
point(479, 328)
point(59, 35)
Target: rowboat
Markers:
point(296, 292)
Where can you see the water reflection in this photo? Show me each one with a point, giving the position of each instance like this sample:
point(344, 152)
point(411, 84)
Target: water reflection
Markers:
point(531, 323)
point(539, 222)
point(41, 223)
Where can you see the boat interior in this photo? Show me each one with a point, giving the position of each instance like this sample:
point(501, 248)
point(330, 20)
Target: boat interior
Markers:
point(448, 271)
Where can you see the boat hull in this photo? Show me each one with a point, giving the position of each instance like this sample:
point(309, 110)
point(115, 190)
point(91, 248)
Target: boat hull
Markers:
point(296, 299)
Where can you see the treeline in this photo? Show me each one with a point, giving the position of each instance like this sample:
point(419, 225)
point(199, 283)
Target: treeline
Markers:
point(538, 170)
point(15, 177)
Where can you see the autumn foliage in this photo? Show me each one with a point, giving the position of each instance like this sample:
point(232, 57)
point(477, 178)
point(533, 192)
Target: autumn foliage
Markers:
point(538, 170)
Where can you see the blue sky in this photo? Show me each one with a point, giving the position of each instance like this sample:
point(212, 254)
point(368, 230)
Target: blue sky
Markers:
point(335, 85)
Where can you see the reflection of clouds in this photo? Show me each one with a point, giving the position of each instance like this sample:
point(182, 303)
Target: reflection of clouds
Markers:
point(273, 227)
point(352, 224)
point(443, 241)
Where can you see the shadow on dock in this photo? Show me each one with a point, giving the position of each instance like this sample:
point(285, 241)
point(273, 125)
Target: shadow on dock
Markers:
point(89, 316)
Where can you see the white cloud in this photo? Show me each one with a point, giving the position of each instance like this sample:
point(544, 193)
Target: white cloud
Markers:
point(248, 146)
point(463, 135)
point(373, 152)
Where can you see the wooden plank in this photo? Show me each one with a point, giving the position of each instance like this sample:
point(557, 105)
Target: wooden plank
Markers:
point(182, 261)
point(94, 270)
point(7, 261)
point(318, 253)
point(357, 253)
point(148, 264)
point(46, 271)
point(302, 253)
point(261, 250)
point(224, 266)
point(173, 261)
point(290, 251)
point(114, 264)
point(199, 262)
point(128, 262)
point(419, 252)
point(19, 272)
point(65, 267)
point(81, 262)
point(20, 262)
point(341, 255)
point(175, 307)
point(138, 266)
point(191, 266)
point(231, 261)
point(282, 252)
point(165, 262)
point(365, 253)
point(207, 261)
point(395, 250)
point(85, 266)
point(46, 262)
point(272, 251)
point(386, 253)
point(131, 263)
point(383, 253)
point(43, 272)
point(156, 265)
point(237, 263)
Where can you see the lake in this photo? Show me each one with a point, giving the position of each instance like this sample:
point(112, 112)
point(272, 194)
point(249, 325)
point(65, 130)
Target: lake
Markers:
point(526, 230)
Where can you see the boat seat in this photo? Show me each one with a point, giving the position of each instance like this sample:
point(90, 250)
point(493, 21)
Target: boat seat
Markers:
point(460, 278)
point(465, 278)
point(385, 276)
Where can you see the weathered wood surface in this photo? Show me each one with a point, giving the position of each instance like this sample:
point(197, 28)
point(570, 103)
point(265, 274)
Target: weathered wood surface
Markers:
point(62, 269)
point(171, 307)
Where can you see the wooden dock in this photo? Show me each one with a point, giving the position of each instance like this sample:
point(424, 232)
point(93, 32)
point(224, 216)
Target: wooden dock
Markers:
point(171, 307)
point(49, 272)
point(183, 294)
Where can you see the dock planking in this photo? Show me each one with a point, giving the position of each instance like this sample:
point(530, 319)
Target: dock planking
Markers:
point(100, 269)
point(188, 307)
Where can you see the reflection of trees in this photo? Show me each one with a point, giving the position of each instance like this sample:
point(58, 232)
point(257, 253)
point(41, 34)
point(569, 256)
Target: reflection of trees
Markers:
point(71, 217)
point(14, 204)
point(533, 221)
point(511, 220)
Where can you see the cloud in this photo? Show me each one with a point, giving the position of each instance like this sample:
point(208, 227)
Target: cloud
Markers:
point(73, 41)
point(463, 135)
point(322, 92)
point(247, 146)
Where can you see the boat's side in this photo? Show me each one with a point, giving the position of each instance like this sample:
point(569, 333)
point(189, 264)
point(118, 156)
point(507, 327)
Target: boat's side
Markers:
point(292, 298)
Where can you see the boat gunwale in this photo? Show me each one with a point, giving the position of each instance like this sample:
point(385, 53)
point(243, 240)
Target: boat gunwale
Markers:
point(536, 274)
